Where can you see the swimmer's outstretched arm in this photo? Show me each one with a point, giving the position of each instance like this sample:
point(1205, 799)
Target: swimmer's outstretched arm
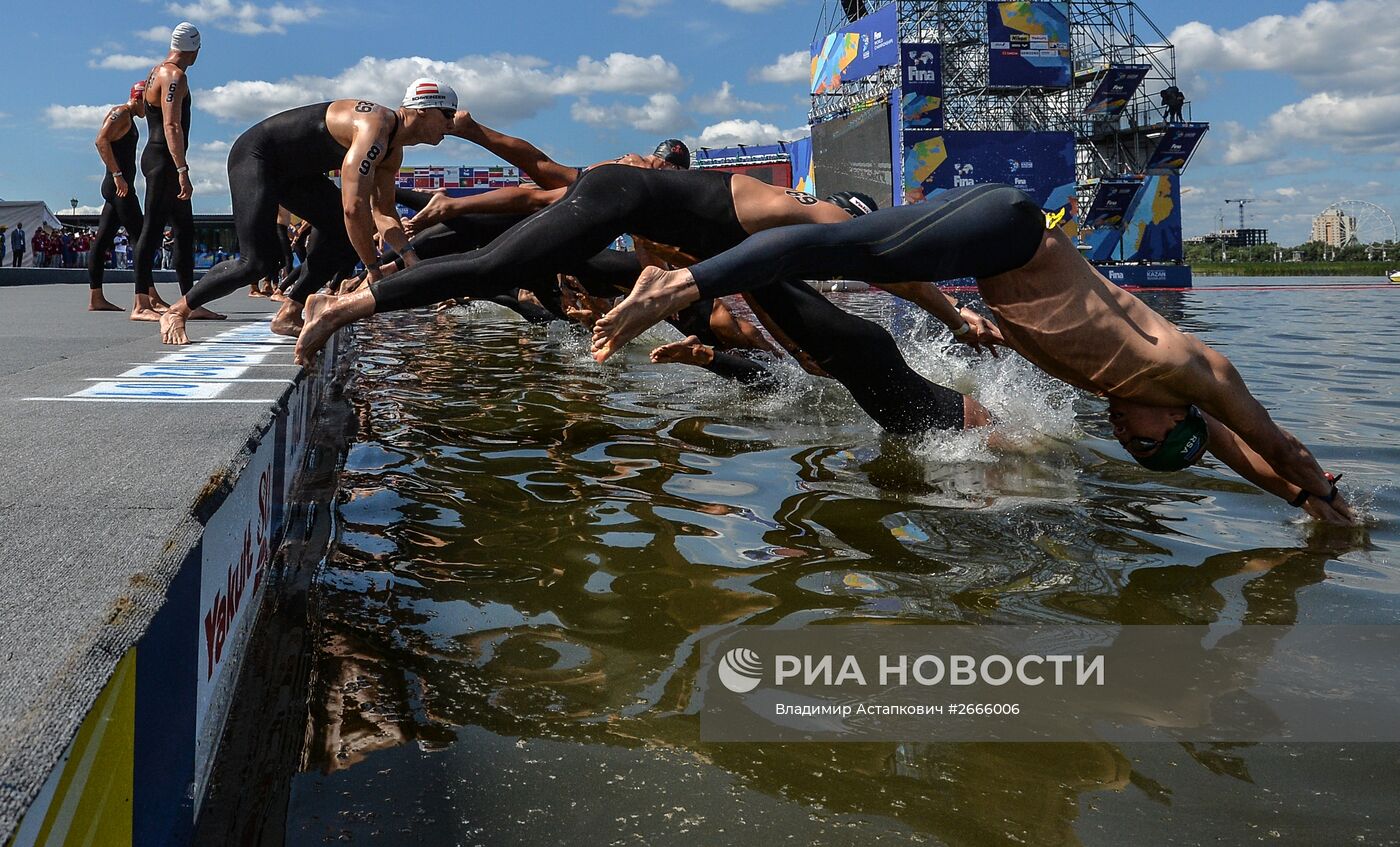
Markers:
point(546, 172)
point(932, 299)
point(511, 200)
point(1224, 395)
point(1229, 448)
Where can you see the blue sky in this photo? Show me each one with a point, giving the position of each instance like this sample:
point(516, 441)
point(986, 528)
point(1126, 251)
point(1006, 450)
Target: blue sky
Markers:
point(1304, 98)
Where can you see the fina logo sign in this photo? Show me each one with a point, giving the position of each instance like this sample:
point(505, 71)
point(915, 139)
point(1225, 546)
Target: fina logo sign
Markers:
point(921, 66)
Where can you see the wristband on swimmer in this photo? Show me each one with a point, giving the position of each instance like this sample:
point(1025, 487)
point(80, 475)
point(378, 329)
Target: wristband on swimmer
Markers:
point(962, 330)
point(1328, 498)
point(183, 169)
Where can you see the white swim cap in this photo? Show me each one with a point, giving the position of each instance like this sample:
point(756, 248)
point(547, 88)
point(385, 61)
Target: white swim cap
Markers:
point(184, 38)
point(427, 93)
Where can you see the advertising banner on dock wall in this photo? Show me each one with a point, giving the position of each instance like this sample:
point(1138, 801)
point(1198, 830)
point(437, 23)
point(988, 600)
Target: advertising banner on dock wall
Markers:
point(856, 50)
point(1028, 45)
point(802, 177)
point(237, 549)
point(1117, 87)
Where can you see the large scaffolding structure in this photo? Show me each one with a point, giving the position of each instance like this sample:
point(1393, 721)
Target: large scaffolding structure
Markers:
point(1102, 33)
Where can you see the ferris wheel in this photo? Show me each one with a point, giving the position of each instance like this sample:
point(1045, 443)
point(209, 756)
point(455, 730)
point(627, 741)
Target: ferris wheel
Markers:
point(1373, 223)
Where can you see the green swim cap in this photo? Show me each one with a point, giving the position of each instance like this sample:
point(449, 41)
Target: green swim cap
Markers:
point(1182, 447)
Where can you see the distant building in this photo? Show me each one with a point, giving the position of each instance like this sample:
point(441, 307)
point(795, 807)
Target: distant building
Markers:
point(1334, 228)
point(1234, 237)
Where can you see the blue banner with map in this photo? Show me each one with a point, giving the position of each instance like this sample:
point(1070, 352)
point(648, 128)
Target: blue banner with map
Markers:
point(921, 96)
point(1116, 88)
point(1174, 150)
point(1028, 44)
point(803, 178)
point(1111, 202)
point(856, 50)
point(1151, 229)
point(1039, 163)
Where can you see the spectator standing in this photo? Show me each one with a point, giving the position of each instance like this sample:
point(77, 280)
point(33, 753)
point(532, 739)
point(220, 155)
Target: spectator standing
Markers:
point(4, 243)
point(17, 243)
point(39, 244)
point(65, 249)
point(167, 248)
point(119, 246)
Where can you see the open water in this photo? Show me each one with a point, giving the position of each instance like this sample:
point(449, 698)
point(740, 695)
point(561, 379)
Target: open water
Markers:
point(529, 545)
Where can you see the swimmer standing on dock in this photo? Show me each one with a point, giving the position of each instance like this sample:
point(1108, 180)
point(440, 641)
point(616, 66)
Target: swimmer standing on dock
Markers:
point(1171, 397)
point(116, 145)
point(283, 161)
point(167, 172)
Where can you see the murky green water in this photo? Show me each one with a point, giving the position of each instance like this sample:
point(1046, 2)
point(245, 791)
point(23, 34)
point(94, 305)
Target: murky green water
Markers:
point(530, 546)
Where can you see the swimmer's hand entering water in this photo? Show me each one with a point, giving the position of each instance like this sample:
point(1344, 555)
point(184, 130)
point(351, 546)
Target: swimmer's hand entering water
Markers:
point(982, 333)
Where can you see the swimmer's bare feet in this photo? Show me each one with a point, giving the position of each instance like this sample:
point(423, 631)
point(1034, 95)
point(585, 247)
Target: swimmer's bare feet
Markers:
point(139, 314)
point(689, 351)
point(203, 314)
point(324, 315)
point(288, 319)
point(98, 303)
point(255, 292)
point(172, 326)
point(278, 297)
point(157, 303)
point(655, 295)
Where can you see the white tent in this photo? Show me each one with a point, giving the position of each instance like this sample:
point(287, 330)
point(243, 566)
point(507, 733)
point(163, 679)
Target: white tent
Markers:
point(31, 213)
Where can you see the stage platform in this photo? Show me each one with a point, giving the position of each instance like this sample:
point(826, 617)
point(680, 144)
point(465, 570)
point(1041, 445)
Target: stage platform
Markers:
point(144, 488)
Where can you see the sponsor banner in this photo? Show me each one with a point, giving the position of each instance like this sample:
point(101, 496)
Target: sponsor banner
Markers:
point(1028, 44)
point(1148, 276)
point(1111, 202)
point(1039, 163)
point(1117, 87)
point(237, 550)
point(802, 177)
point(921, 98)
point(856, 50)
point(1252, 683)
point(853, 153)
point(1152, 231)
point(1174, 150)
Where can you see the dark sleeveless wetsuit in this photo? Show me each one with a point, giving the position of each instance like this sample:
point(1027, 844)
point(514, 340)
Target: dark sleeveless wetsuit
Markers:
point(117, 211)
point(284, 161)
point(163, 205)
point(692, 211)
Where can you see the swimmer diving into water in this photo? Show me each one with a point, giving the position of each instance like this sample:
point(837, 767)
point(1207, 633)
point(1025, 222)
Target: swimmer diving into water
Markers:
point(283, 161)
point(1171, 397)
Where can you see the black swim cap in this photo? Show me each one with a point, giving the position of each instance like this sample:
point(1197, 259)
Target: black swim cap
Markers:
point(854, 203)
point(673, 150)
point(1183, 446)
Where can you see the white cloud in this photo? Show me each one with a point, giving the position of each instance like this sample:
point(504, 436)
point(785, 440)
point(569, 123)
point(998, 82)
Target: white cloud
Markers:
point(124, 62)
point(636, 8)
point(752, 5)
point(76, 117)
point(733, 132)
point(500, 87)
point(1358, 124)
point(245, 18)
point(1347, 44)
point(620, 72)
point(159, 34)
point(789, 67)
point(661, 113)
point(723, 102)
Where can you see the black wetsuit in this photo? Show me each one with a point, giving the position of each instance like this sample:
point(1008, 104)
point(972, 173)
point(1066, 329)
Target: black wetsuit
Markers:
point(163, 203)
point(978, 231)
point(117, 211)
point(283, 161)
point(694, 212)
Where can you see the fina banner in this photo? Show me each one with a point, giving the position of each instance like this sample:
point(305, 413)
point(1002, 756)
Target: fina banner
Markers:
point(1153, 229)
point(1039, 163)
point(921, 71)
point(1116, 88)
point(1111, 203)
point(1028, 44)
point(1178, 143)
point(856, 50)
point(803, 178)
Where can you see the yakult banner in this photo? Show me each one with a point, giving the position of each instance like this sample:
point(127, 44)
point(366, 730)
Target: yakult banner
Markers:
point(1331, 684)
point(856, 50)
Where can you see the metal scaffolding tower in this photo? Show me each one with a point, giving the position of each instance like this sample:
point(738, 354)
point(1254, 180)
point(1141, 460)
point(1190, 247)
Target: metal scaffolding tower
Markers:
point(1102, 33)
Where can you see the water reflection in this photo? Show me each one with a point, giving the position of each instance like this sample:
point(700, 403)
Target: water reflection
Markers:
point(532, 546)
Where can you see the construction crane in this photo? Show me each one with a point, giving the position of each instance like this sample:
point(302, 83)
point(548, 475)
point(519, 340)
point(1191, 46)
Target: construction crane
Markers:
point(1241, 205)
